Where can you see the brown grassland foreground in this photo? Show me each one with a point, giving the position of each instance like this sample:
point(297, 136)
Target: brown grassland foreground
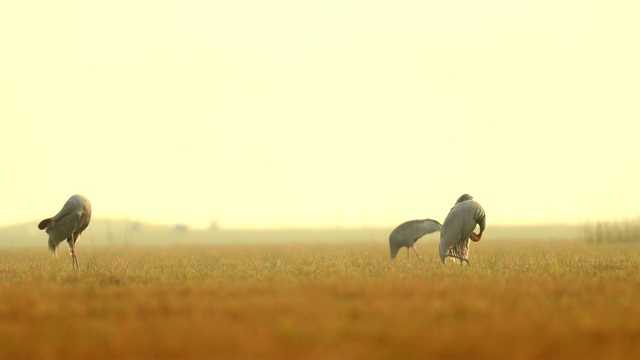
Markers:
point(519, 299)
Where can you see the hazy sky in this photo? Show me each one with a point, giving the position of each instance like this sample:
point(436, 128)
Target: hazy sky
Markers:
point(320, 113)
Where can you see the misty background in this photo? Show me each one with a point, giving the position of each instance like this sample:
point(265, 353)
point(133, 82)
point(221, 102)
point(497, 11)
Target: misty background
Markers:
point(324, 115)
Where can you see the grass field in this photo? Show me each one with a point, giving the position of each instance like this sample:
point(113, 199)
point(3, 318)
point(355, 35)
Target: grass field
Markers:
point(519, 299)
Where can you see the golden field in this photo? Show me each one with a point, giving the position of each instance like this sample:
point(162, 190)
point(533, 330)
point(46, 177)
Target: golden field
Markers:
point(520, 299)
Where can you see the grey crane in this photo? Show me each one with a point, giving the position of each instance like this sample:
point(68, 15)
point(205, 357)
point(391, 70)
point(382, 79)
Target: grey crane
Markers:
point(407, 233)
point(458, 228)
point(68, 223)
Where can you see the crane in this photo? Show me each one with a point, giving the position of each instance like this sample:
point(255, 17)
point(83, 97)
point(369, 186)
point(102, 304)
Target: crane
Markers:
point(407, 233)
point(458, 228)
point(68, 223)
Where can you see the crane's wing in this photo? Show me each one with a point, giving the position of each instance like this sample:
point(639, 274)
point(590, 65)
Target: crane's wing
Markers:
point(412, 230)
point(454, 229)
point(428, 226)
point(61, 229)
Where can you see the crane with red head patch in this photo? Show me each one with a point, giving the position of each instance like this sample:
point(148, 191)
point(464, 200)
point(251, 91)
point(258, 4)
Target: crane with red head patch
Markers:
point(458, 228)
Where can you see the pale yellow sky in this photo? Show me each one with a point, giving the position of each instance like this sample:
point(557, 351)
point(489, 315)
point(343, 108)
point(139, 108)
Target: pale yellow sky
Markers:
point(324, 113)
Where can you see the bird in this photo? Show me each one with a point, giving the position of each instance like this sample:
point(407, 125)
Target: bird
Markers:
point(407, 233)
point(68, 223)
point(458, 228)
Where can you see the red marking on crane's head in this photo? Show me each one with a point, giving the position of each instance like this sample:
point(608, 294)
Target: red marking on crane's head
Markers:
point(475, 237)
point(43, 224)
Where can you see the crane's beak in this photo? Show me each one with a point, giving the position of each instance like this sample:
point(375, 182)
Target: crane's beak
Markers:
point(475, 237)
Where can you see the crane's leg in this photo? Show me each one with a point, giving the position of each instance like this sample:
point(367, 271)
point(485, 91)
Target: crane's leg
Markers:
point(416, 250)
point(72, 247)
point(462, 260)
point(75, 261)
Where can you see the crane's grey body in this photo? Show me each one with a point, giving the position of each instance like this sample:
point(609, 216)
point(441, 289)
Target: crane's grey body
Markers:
point(407, 233)
point(68, 223)
point(458, 228)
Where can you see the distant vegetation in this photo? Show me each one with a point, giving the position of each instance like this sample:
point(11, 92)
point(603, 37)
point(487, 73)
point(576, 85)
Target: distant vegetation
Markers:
point(108, 232)
point(612, 232)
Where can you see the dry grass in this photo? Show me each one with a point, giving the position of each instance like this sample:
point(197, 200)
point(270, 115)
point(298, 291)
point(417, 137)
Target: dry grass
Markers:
point(519, 300)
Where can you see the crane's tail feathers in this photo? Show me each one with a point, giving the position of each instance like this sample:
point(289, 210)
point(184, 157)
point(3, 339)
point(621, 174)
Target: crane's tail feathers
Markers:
point(44, 223)
point(53, 247)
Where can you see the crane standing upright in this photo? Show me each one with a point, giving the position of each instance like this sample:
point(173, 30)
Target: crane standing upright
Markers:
point(68, 223)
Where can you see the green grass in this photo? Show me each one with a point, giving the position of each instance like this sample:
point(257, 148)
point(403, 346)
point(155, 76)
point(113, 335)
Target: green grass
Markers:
point(521, 299)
